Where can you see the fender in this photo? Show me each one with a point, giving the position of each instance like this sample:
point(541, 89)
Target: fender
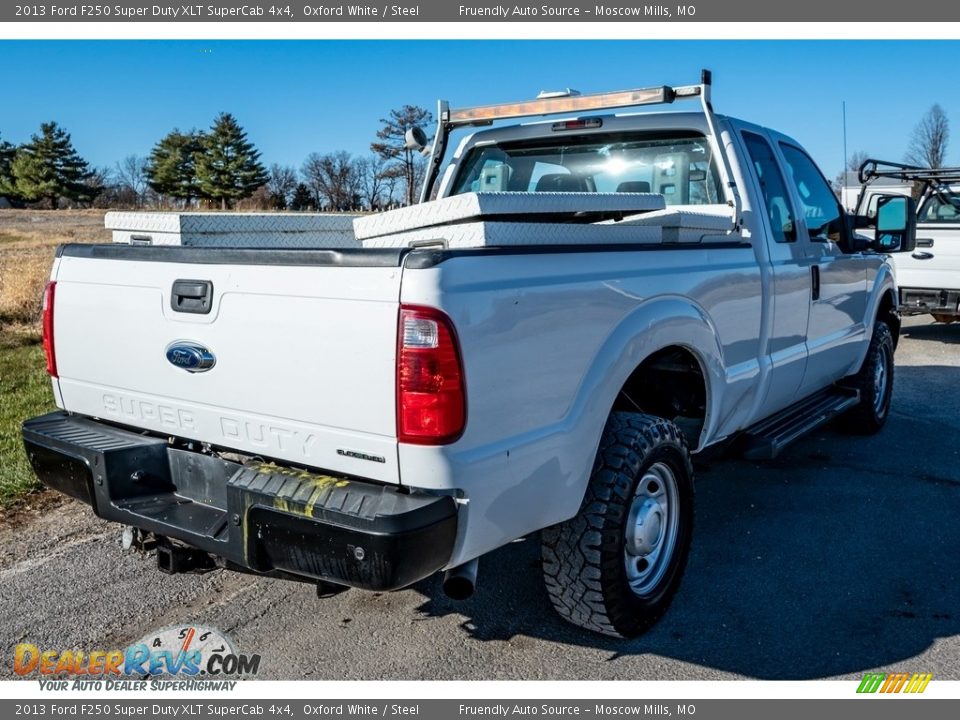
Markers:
point(883, 283)
point(661, 322)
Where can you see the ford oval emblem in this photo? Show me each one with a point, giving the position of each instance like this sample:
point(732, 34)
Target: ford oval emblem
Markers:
point(190, 356)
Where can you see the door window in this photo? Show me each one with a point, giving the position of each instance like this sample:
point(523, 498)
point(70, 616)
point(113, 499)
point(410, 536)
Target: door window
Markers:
point(820, 206)
point(942, 206)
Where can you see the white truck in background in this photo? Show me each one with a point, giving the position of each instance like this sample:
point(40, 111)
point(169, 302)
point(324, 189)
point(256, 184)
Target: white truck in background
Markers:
point(546, 357)
point(928, 277)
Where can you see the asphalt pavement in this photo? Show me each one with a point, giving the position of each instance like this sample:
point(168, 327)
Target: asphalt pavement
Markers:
point(838, 558)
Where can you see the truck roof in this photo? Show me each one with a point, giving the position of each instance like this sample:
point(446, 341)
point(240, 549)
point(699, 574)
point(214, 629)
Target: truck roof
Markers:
point(612, 122)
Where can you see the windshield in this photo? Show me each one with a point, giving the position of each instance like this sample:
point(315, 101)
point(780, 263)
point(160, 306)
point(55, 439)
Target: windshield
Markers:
point(943, 206)
point(678, 166)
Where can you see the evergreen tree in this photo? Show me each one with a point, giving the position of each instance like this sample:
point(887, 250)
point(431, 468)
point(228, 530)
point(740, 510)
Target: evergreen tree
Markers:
point(49, 168)
point(392, 146)
point(302, 199)
point(172, 167)
point(229, 168)
point(7, 183)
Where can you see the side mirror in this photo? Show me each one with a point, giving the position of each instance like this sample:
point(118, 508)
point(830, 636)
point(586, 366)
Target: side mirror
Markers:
point(895, 224)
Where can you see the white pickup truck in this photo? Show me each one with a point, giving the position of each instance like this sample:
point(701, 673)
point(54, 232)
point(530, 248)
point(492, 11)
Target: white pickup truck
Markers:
point(928, 277)
point(370, 416)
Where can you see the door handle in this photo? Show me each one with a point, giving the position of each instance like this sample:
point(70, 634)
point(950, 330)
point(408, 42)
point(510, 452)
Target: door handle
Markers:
point(922, 256)
point(815, 282)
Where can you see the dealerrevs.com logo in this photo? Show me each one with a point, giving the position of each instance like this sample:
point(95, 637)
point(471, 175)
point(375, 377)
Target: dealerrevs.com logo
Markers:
point(177, 657)
point(888, 683)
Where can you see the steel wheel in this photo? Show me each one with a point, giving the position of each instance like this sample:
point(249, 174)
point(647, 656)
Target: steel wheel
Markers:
point(615, 566)
point(874, 380)
point(880, 380)
point(650, 533)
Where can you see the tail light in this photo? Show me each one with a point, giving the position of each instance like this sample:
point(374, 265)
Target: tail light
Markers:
point(48, 349)
point(431, 398)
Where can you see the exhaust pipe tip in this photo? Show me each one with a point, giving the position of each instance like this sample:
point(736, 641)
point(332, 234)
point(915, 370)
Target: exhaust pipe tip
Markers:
point(458, 588)
point(459, 583)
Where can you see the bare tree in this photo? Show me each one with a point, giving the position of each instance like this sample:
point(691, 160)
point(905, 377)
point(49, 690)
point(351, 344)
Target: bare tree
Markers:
point(853, 164)
point(312, 174)
point(281, 183)
point(393, 185)
point(373, 177)
point(928, 145)
point(131, 176)
point(857, 159)
point(391, 145)
point(420, 174)
point(332, 180)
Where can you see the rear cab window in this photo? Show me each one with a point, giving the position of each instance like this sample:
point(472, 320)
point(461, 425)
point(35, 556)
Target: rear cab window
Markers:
point(678, 166)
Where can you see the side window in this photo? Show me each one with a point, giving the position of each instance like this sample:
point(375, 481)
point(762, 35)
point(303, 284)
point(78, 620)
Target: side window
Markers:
point(943, 208)
point(773, 187)
point(820, 206)
point(494, 176)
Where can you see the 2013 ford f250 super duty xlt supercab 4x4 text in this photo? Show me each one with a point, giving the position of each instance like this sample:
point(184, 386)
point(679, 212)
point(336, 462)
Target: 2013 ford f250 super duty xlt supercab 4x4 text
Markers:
point(635, 288)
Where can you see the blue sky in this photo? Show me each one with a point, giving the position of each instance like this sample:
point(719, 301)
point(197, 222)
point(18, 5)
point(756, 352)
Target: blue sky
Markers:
point(118, 98)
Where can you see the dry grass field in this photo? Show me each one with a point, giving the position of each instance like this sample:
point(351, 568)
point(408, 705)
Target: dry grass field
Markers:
point(28, 239)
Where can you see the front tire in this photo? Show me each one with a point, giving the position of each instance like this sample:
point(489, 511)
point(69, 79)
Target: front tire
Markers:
point(615, 567)
point(874, 380)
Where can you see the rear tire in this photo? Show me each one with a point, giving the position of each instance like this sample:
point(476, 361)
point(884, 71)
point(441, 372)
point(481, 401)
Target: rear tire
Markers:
point(875, 383)
point(615, 567)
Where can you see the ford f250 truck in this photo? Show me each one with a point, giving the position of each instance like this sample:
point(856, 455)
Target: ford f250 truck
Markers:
point(370, 416)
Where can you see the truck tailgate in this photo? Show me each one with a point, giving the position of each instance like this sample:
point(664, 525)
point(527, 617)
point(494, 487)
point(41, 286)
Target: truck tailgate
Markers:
point(304, 352)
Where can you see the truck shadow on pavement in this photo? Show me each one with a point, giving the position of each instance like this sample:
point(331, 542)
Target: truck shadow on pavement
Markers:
point(838, 557)
point(949, 334)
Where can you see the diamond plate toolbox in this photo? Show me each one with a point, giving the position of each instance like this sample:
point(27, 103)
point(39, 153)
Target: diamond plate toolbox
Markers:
point(263, 230)
point(502, 206)
point(491, 234)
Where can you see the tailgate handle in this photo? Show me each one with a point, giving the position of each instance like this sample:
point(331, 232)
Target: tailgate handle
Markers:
point(192, 296)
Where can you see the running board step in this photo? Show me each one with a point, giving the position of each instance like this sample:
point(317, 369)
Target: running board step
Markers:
point(767, 438)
